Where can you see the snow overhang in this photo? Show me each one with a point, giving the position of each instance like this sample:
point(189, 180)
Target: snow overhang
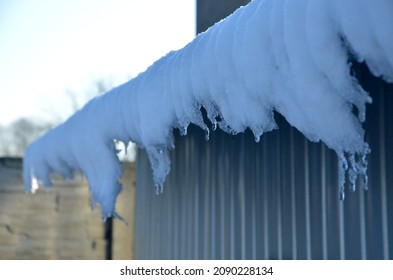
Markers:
point(291, 57)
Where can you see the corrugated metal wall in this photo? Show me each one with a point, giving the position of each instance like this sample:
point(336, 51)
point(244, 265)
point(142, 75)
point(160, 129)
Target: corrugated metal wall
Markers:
point(232, 198)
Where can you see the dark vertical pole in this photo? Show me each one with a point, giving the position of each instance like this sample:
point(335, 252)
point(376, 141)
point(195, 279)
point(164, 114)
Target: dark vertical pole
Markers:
point(108, 237)
point(209, 12)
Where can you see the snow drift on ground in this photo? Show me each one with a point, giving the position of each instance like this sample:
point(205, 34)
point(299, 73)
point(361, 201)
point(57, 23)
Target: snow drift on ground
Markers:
point(287, 56)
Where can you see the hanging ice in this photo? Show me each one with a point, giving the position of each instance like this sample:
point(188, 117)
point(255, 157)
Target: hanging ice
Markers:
point(271, 55)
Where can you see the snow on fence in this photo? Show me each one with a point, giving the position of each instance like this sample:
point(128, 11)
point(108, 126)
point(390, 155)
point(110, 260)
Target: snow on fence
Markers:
point(290, 57)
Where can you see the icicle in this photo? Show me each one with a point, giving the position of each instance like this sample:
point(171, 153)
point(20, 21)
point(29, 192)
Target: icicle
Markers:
point(363, 165)
point(116, 216)
point(356, 165)
point(257, 136)
point(214, 125)
point(160, 163)
point(159, 189)
point(365, 182)
point(342, 168)
point(353, 172)
point(183, 130)
point(212, 115)
point(207, 134)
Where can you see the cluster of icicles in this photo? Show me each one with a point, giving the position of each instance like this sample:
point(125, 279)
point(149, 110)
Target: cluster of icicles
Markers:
point(287, 56)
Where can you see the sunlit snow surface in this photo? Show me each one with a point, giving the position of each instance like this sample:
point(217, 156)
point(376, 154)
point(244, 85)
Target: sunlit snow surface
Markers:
point(287, 56)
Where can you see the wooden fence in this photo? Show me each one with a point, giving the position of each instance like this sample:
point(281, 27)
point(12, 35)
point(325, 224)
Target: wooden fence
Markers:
point(59, 223)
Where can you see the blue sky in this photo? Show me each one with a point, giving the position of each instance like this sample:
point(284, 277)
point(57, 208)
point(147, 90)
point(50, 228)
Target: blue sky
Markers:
point(48, 47)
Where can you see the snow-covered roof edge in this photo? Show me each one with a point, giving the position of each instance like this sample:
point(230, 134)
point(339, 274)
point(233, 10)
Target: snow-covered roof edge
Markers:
point(271, 55)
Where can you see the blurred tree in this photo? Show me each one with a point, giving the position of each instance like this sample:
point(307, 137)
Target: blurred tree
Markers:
point(20, 133)
point(24, 131)
point(15, 137)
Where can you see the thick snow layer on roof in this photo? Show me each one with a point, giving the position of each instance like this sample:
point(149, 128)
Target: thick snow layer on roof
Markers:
point(287, 56)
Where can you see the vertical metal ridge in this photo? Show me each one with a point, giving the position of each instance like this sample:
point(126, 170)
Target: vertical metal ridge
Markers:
point(341, 226)
point(382, 158)
point(233, 222)
point(265, 185)
point(242, 201)
point(363, 236)
point(293, 195)
point(196, 193)
point(307, 199)
point(222, 210)
point(279, 200)
point(324, 203)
